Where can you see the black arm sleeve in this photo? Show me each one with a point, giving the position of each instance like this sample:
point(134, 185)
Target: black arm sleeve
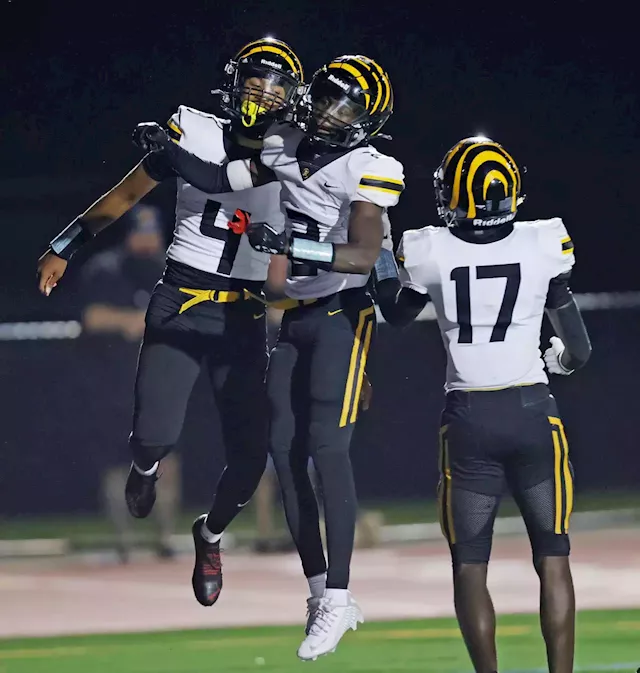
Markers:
point(399, 306)
point(157, 166)
point(203, 175)
point(566, 320)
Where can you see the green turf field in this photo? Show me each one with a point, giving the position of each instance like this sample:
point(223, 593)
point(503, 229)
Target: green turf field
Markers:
point(607, 641)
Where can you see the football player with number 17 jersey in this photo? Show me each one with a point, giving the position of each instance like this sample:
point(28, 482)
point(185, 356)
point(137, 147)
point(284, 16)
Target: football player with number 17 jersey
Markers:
point(490, 279)
point(336, 189)
point(207, 309)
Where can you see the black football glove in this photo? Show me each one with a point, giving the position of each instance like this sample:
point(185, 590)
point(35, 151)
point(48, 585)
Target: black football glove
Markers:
point(265, 238)
point(150, 137)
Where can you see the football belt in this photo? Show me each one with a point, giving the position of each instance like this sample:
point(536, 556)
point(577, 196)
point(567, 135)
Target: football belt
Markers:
point(228, 297)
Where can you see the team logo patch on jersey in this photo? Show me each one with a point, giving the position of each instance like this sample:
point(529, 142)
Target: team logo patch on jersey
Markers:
point(305, 172)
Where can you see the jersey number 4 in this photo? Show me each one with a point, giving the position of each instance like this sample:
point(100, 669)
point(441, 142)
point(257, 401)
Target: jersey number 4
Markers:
point(230, 238)
point(462, 278)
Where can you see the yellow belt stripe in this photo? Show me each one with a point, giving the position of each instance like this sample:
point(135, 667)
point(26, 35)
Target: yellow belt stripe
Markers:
point(199, 296)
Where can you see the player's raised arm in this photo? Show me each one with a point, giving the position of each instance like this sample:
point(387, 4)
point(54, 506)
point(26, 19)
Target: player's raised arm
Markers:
point(206, 176)
point(108, 208)
point(571, 349)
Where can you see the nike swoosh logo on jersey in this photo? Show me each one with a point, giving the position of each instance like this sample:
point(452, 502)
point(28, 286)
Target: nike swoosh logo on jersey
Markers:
point(334, 312)
point(257, 316)
point(328, 186)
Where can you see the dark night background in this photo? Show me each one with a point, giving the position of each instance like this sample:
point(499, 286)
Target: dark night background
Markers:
point(559, 89)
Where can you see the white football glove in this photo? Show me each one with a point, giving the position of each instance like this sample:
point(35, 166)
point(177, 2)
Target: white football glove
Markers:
point(552, 357)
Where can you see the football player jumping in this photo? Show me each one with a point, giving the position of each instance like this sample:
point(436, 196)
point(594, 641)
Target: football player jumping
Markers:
point(491, 279)
point(206, 310)
point(336, 189)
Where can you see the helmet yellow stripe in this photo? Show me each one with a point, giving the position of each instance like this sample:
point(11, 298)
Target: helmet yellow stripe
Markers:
point(274, 50)
point(275, 43)
point(452, 153)
point(455, 191)
point(515, 166)
point(360, 79)
point(481, 158)
point(385, 79)
point(377, 79)
point(353, 71)
point(494, 175)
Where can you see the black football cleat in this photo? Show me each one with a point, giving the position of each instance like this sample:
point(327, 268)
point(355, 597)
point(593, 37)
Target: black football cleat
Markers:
point(140, 492)
point(207, 571)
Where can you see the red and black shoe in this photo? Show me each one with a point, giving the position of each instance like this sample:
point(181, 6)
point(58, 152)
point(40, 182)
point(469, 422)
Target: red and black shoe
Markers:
point(207, 571)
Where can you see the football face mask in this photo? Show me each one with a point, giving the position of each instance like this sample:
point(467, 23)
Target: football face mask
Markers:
point(333, 117)
point(261, 92)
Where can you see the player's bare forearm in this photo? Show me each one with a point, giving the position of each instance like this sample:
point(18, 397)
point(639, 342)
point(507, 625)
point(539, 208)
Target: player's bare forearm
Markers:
point(366, 233)
point(118, 200)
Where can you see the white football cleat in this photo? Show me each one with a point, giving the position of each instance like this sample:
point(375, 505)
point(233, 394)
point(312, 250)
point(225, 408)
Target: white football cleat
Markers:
point(336, 613)
point(313, 603)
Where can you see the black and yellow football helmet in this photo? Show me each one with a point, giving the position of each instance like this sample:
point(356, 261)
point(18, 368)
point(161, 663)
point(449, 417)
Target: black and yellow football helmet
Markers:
point(478, 184)
point(263, 83)
point(348, 101)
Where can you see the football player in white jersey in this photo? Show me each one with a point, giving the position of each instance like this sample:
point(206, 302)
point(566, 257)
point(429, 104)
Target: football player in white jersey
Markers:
point(491, 279)
point(336, 189)
point(206, 309)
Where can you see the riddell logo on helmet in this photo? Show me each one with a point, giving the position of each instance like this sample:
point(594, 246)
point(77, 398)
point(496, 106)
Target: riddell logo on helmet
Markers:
point(273, 64)
point(493, 221)
point(343, 85)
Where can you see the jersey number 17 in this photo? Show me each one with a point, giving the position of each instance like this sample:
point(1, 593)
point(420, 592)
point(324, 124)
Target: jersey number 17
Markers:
point(461, 276)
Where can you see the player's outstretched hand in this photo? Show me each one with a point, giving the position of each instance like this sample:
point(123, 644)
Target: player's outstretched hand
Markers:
point(51, 268)
point(552, 357)
point(265, 238)
point(150, 136)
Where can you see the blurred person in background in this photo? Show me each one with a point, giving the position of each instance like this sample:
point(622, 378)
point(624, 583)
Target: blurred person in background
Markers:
point(116, 285)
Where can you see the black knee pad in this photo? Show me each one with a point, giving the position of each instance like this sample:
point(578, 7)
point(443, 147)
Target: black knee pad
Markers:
point(549, 544)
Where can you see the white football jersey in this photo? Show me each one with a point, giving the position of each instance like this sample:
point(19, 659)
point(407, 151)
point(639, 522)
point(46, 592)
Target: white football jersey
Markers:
point(316, 202)
point(202, 238)
point(489, 298)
